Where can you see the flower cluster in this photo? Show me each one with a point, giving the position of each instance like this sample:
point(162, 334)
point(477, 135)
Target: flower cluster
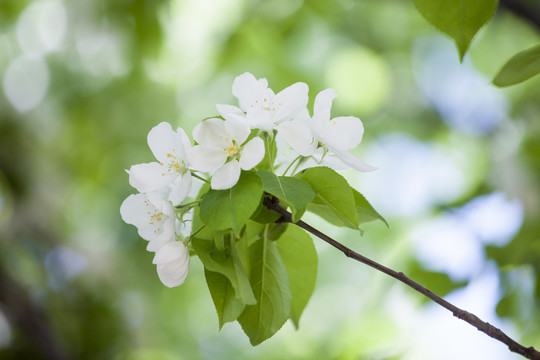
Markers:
point(156, 211)
point(265, 131)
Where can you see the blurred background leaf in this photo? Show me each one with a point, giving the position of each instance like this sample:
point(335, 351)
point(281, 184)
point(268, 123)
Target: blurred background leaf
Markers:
point(458, 181)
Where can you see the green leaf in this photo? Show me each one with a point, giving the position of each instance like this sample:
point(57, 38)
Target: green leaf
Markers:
point(253, 231)
point(520, 67)
point(364, 210)
point(231, 209)
point(223, 262)
point(334, 197)
point(270, 284)
point(197, 223)
point(300, 257)
point(228, 307)
point(293, 192)
point(459, 19)
point(263, 215)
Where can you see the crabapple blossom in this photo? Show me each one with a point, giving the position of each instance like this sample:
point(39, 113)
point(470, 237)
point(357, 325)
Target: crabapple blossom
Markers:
point(338, 135)
point(223, 148)
point(222, 151)
point(260, 108)
point(170, 149)
point(152, 215)
point(263, 109)
point(172, 261)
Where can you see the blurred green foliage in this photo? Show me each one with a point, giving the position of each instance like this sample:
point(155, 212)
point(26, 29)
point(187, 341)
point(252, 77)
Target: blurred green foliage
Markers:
point(120, 67)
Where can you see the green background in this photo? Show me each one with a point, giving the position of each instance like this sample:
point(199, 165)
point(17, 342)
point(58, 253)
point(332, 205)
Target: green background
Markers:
point(84, 81)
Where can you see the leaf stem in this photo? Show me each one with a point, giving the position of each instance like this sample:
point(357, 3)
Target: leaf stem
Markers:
point(268, 148)
point(187, 205)
point(192, 235)
point(490, 330)
point(200, 178)
point(291, 164)
point(325, 151)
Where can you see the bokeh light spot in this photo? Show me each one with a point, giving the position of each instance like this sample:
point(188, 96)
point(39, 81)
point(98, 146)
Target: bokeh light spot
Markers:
point(42, 26)
point(444, 245)
point(360, 77)
point(412, 176)
point(493, 218)
point(462, 96)
point(26, 82)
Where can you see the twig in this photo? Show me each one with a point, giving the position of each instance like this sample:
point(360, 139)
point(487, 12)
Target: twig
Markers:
point(492, 331)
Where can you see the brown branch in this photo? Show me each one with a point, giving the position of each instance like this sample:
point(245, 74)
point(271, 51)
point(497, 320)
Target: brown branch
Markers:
point(492, 331)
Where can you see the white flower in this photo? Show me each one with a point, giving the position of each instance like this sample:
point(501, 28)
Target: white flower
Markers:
point(263, 109)
point(338, 135)
point(222, 150)
point(172, 261)
point(170, 149)
point(298, 135)
point(152, 215)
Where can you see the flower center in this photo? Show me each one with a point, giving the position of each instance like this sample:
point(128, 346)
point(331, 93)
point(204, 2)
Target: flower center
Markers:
point(266, 105)
point(174, 165)
point(155, 217)
point(231, 150)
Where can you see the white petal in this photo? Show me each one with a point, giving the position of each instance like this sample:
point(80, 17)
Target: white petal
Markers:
point(173, 274)
point(160, 200)
point(252, 153)
point(260, 119)
point(181, 188)
point(171, 251)
point(134, 210)
point(148, 234)
point(298, 135)
point(226, 176)
point(210, 132)
point(241, 118)
point(236, 130)
point(333, 162)
point(162, 140)
point(290, 101)
point(149, 177)
point(354, 162)
point(138, 210)
point(343, 133)
point(162, 236)
point(248, 90)
point(322, 107)
point(227, 110)
point(303, 116)
point(172, 263)
point(207, 158)
point(186, 145)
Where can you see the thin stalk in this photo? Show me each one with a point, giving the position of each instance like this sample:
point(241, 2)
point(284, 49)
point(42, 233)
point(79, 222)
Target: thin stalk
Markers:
point(187, 205)
point(490, 330)
point(192, 235)
point(291, 164)
point(268, 148)
point(200, 178)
